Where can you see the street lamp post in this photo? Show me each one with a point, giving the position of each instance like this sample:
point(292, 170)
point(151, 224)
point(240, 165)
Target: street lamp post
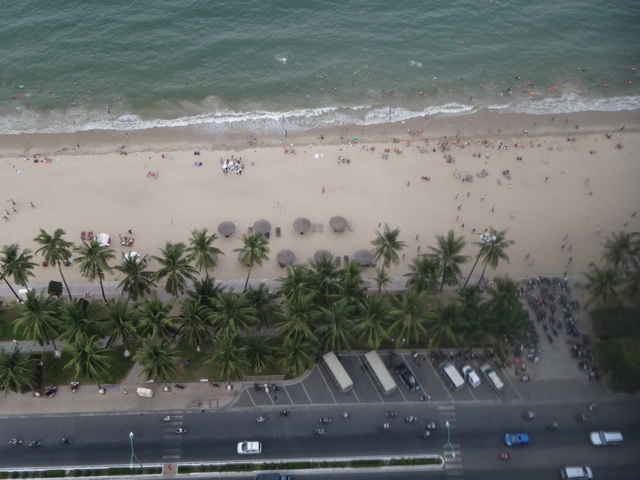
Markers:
point(133, 454)
point(453, 452)
point(488, 239)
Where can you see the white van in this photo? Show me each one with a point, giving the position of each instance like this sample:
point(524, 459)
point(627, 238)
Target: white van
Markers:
point(451, 374)
point(605, 438)
point(576, 473)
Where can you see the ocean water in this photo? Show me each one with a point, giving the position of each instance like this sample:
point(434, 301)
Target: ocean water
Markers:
point(260, 66)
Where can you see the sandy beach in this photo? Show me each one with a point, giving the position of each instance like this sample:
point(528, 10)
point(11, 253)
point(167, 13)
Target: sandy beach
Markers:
point(558, 185)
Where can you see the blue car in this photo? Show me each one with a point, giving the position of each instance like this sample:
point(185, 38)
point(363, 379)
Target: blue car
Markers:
point(516, 439)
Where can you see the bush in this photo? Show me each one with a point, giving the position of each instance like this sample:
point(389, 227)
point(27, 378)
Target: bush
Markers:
point(616, 322)
point(620, 359)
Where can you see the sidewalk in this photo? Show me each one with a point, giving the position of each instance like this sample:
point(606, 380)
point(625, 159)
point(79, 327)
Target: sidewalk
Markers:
point(194, 397)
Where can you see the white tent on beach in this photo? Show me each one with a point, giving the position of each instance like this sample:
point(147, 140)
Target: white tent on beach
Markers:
point(103, 239)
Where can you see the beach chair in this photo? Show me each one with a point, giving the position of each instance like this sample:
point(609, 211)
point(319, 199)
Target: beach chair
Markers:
point(314, 227)
point(349, 226)
point(90, 236)
point(278, 231)
point(338, 261)
point(320, 228)
point(83, 235)
point(249, 230)
point(346, 259)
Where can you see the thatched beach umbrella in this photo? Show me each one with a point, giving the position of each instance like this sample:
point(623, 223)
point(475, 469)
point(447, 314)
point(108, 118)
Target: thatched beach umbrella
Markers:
point(261, 226)
point(226, 229)
point(363, 257)
point(322, 254)
point(338, 223)
point(286, 258)
point(302, 225)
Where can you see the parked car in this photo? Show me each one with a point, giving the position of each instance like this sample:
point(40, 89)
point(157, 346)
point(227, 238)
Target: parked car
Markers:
point(249, 448)
point(516, 439)
point(605, 438)
point(407, 376)
point(470, 376)
point(581, 472)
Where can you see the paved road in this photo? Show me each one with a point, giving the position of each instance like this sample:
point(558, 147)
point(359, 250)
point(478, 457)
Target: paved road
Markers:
point(477, 432)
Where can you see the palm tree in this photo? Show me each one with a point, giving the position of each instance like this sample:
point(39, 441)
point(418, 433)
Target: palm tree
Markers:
point(386, 246)
point(352, 286)
point(335, 326)
point(254, 251)
point(372, 321)
point(205, 291)
point(299, 280)
point(195, 322)
point(259, 353)
point(424, 274)
point(442, 323)
point(603, 284)
point(89, 360)
point(448, 257)
point(158, 358)
point(79, 319)
point(632, 283)
point(16, 264)
point(409, 310)
point(504, 295)
point(233, 313)
point(230, 356)
point(494, 251)
point(55, 250)
point(154, 319)
point(295, 358)
point(137, 281)
point(620, 248)
point(382, 279)
point(94, 262)
point(175, 267)
point(38, 320)
point(511, 325)
point(201, 250)
point(120, 323)
point(262, 301)
point(324, 277)
point(297, 318)
point(17, 372)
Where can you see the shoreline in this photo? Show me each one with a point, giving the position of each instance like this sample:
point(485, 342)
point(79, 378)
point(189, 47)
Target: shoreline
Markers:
point(558, 189)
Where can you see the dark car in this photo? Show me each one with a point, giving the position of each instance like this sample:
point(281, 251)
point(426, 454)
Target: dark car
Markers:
point(407, 377)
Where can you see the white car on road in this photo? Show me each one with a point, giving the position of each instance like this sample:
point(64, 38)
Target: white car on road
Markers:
point(248, 448)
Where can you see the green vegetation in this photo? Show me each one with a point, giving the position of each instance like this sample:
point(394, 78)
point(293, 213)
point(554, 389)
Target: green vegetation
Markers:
point(205, 331)
point(618, 325)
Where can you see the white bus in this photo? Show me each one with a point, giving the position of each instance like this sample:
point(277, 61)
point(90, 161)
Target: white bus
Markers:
point(337, 371)
point(380, 372)
point(452, 375)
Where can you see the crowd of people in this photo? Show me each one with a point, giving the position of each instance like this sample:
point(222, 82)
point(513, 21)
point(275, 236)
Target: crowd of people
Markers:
point(233, 165)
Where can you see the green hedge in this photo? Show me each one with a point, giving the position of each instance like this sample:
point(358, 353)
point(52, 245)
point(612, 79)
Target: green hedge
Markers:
point(616, 322)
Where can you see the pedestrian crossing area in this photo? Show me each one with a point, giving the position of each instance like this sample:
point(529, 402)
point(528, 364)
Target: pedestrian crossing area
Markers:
point(451, 448)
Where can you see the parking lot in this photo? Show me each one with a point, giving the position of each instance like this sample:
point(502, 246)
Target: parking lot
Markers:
point(318, 387)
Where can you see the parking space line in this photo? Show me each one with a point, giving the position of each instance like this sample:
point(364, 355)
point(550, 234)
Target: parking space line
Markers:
point(250, 396)
point(366, 371)
point(288, 396)
point(328, 387)
point(446, 389)
point(514, 387)
point(354, 394)
point(307, 393)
